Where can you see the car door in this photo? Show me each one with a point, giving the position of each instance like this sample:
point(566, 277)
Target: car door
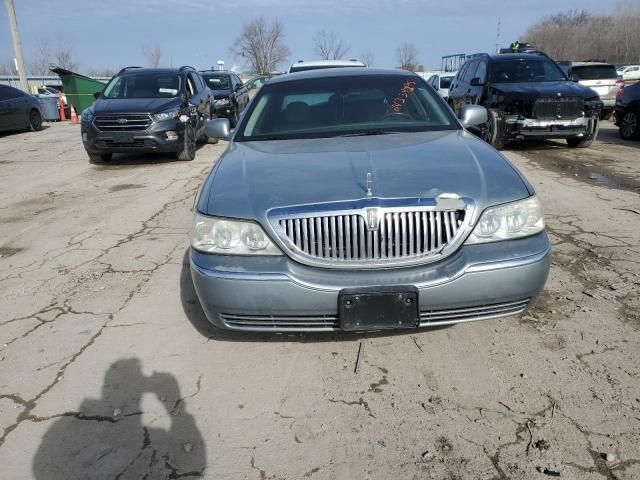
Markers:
point(15, 108)
point(4, 107)
point(198, 97)
point(462, 85)
point(477, 82)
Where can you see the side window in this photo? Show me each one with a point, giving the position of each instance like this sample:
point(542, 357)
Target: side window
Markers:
point(191, 91)
point(469, 71)
point(481, 72)
point(194, 83)
point(199, 81)
point(462, 71)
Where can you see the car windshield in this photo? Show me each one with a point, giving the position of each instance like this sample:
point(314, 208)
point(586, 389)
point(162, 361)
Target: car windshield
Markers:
point(595, 72)
point(344, 105)
point(445, 82)
point(521, 70)
point(144, 85)
point(218, 82)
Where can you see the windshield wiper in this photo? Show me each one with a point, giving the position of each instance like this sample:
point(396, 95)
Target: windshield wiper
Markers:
point(367, 133)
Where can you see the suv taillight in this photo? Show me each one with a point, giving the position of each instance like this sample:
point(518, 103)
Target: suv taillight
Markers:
point(620, 83)
point(620, 90)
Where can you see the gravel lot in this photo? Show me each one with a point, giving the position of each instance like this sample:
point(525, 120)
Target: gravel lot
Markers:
point(108, 371)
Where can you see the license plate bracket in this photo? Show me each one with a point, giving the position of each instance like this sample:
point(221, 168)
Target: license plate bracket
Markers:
point(378, 308)
point(122, 137)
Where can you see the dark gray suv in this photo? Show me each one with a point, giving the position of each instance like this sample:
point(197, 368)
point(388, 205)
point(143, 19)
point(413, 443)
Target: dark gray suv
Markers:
point(148, 110)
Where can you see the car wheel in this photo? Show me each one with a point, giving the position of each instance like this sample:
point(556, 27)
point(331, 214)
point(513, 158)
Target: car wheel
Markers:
point(629, 123)
point(188, 151)
point(606, 115)
point(99, 157)
point(494, 131)
point(586, 141)
point(35, 120)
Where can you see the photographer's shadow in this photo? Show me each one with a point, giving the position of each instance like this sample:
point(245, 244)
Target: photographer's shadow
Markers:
point(106, 439)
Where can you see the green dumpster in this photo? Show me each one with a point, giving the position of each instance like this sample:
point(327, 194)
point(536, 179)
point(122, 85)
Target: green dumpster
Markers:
point(78, 89)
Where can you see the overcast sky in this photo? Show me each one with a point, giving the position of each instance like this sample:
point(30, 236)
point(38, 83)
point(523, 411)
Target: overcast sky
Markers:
point(110, 33)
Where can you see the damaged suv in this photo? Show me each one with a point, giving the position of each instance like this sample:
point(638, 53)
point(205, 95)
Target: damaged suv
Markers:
point(148, 110)
point(528, 96)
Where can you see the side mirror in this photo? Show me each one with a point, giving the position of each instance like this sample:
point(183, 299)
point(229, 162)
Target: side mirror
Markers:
point(473, 117)
point(96, 95)
point(575, 78)
point(476, 82)
point(218, 128)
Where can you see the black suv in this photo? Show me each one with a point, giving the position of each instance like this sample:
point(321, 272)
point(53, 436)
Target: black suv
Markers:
point(230, 95)
point(148, 109)
point(528, 96)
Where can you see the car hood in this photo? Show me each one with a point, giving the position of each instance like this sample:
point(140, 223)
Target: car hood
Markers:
point(534, 90)
point(134, 105)
point(253, 177)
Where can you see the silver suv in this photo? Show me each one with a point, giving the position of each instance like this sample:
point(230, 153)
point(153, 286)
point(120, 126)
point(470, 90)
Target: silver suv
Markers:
point(601, 77)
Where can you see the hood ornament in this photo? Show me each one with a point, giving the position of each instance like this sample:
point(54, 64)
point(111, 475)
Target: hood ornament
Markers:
point(369, 184)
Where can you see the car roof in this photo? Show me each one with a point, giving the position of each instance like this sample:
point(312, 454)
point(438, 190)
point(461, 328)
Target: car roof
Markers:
point(517, 56)
point(327, 63)
point(222, 72)
point(133, 70)
point(585, 64)
point(338, 72)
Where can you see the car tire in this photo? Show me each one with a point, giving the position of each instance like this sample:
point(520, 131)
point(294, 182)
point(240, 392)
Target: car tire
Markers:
point(629, 124)
point(99, 157)
point(606, 115)
point(494, 131)
point(35, 120)
point(584, 142)
point(188, 150)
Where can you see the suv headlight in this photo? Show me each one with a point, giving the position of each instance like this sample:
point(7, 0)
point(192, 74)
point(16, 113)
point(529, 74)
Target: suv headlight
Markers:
point(230, 237)
point(509, 221)
point(168, 115)
point(222, 102)
point(87, 115)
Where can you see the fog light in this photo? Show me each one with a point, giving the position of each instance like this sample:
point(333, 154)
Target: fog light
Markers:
point(85, 137)
point(171, 135)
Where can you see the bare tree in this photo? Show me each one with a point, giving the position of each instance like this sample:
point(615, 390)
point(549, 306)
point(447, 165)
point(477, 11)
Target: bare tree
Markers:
point(102, 72)
point(367, 58)
point(42, 59)
point(261, 45)
point(407, 56)
point(580, 35)
point(153, 54)
point(328, 46)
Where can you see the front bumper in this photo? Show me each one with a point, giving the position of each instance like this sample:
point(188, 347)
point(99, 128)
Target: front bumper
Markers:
point(277, 294)
point(516, 128)
point(153, 139)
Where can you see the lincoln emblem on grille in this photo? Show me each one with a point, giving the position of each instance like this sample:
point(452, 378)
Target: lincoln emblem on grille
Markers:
point(122, 121)
point(372, 219)
point(369, 185)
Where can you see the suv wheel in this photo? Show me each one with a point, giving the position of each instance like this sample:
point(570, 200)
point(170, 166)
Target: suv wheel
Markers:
point(629, 123)
point(99, 157)
point(494, 132)
point(586, 141)
point(188, 151)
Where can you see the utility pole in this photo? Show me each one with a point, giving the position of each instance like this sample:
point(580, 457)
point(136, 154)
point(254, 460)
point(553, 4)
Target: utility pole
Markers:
point(11, 13)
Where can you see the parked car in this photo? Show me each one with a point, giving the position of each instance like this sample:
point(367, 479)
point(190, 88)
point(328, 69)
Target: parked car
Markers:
point(627, 114)
point(441, 83)
point(528, 96)
point(148, 110)
point(255, 83)
point(353, 199)
point(51, 92)
point(629, 72)
point(230, 95)
point(601, 77)
point(302, 65)
point(19, 110)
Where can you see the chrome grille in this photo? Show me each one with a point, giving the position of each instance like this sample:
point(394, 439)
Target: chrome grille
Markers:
point(478, 312)
point(557, 108)
point(280, 322)
point(122, 123)
point(351, 239)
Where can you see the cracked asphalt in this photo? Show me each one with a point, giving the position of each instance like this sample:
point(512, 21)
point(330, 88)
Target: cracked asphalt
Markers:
point(109, 371)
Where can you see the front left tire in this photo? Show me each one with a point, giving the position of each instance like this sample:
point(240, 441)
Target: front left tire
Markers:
point(188, 150)
point(586, 141)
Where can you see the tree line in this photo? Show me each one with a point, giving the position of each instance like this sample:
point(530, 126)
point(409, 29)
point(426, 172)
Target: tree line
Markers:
point(580, 35)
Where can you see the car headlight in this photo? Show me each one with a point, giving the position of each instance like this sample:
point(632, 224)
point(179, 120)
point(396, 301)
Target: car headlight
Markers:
point(222, 102)
point(159, 117)
point(230, 237)
point(87, 115)
point(509, 221)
